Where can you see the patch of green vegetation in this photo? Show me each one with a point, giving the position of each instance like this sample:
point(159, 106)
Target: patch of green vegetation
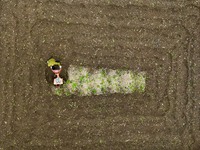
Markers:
point(94, 91)
point(67, 93)
point(84, 79)
point(81, 79)
point(109, 80)
point(119, 72)
point(132, 87)
point(80, 68)
point(103, 72)
point(102, 82)
point(74, 86)
point(68, 82)
point(140, 79)
point(59, 91)
point(103, 89)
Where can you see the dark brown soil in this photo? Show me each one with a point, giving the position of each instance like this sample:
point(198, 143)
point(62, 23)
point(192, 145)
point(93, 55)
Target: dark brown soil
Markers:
point(160, 37)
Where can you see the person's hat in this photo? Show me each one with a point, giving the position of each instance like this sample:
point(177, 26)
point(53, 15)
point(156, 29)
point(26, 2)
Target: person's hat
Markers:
point(51, 62)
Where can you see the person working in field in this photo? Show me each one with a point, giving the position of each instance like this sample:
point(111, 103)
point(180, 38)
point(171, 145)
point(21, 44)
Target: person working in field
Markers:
point(56, 68)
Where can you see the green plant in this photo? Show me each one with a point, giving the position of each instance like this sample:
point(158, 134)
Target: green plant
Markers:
point(58, 91)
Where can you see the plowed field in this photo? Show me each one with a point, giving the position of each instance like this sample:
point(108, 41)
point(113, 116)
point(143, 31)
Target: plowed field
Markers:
point(159, 37)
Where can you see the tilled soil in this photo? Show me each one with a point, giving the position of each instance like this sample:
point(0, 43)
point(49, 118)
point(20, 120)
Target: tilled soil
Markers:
point(160, 37)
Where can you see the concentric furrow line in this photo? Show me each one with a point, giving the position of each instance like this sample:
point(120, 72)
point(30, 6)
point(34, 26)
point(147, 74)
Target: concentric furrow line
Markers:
point(86, 35)
point(112, 127)
point(7, 43)
point(90, 36)
point(52, 20)
point(57, 28)
point(129, 17)
point(150, 4)
point(22, 86)
point(195, 86)
point(106, 38)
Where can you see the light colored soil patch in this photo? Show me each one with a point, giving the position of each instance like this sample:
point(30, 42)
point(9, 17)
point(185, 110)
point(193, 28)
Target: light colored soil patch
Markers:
point(84, 81)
